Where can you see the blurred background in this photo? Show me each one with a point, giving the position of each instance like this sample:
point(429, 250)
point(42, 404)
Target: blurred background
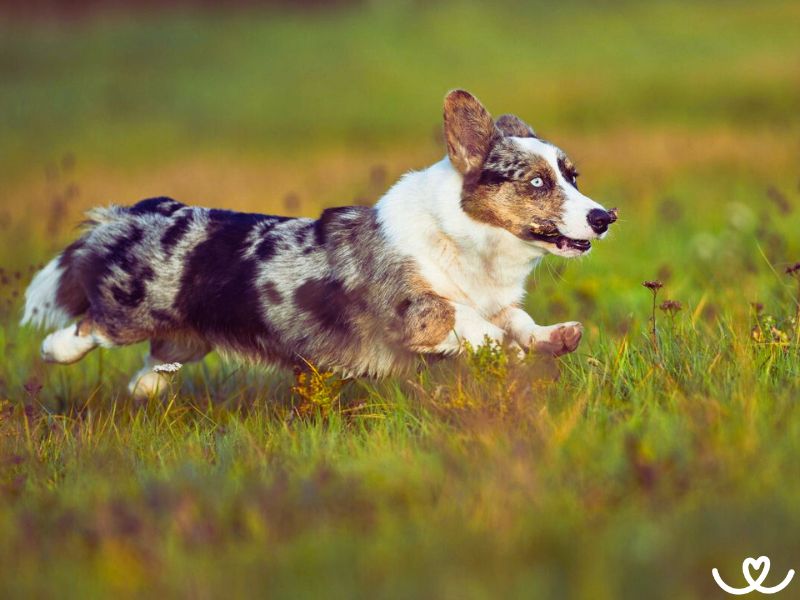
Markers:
point(292, 106)
point(684, 114)
point(671, 109)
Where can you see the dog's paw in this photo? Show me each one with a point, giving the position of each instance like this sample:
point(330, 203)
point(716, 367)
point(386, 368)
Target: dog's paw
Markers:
point(65, 346)
point(147, 384)
point(560, 339)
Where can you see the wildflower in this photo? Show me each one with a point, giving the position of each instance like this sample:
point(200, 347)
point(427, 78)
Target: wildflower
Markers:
point(794, 271)
point(168, 368)
point(757, 306)
point(316, 390)
point(653, 285)
point(670, 306)
point(33, 386)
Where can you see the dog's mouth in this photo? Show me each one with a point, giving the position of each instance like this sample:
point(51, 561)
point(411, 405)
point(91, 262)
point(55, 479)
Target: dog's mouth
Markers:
point(562, 242)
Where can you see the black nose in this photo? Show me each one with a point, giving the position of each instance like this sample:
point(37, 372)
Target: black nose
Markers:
point(599, 220)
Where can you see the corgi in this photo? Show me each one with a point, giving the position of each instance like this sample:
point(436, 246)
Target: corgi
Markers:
point(440, 261)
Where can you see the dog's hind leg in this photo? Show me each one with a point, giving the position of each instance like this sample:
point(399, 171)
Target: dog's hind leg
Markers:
point(72, 343)
point(147, 382)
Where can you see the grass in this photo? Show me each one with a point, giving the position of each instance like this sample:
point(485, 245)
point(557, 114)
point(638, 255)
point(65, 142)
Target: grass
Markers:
point(626, 470)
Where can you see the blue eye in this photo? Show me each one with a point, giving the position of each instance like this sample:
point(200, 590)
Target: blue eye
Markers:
point(537, 182)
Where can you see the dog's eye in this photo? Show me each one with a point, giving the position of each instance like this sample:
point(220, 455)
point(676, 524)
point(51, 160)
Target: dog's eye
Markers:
point(537, 182)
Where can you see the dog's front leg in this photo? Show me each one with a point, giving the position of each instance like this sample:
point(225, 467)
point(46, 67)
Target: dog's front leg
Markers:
point(556, 340)
point(470, 328)
point(435, 325)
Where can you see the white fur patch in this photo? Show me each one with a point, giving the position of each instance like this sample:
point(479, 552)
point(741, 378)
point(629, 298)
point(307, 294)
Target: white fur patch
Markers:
point(147, 384)
point(41, 309)
point(463, 260)
point(149, 381)
point(65, 346)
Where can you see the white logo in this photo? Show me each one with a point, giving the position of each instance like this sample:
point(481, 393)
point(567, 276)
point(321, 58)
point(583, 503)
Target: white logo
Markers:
point(758, 564)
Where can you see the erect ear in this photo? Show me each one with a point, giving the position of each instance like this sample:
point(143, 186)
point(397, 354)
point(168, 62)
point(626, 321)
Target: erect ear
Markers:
point(512, 125)
point(468, 130)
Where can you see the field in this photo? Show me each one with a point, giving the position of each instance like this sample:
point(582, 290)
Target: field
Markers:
point(667, 445)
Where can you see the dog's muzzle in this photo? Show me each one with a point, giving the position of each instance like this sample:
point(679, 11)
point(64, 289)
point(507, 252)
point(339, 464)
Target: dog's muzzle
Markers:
point(600, 219)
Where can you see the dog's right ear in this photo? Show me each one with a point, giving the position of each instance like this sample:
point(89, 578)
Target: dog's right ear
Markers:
point(468, 130)
point(513, 126)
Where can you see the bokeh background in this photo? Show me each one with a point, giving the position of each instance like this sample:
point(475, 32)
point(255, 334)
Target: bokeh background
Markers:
point(680, 114)
point(638, 460)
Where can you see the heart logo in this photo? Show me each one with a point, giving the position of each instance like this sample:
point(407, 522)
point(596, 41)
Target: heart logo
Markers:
point(750, 566)
point(755, 564)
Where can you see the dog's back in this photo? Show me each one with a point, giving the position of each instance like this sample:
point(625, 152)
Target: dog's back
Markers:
point(270, 288)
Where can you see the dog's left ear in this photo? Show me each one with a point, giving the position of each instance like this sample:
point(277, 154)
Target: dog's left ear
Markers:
point(512, 125)
point(468, 130)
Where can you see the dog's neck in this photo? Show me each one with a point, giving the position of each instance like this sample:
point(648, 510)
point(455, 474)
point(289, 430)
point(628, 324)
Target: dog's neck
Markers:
point(465, 260)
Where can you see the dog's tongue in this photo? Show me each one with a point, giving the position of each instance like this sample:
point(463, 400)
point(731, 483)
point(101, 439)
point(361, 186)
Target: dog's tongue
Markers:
point(561, 242)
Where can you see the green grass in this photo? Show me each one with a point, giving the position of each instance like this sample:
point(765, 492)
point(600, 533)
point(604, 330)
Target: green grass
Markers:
point(627, 470)
point(143, 89)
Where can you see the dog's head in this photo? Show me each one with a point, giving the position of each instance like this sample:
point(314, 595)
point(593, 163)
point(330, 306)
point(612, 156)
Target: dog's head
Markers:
point(514, 180)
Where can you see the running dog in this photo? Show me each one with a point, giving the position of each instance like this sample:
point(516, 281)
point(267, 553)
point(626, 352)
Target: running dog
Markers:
point(441, 260)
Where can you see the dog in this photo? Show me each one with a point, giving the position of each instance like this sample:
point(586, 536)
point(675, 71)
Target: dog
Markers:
point(440, 261)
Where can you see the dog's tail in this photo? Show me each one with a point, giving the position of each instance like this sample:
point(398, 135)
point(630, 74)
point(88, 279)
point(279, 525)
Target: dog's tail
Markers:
point(56, 295)
point(104, 214)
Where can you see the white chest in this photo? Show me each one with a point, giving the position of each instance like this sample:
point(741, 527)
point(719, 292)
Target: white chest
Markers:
point(486, 276)
point(464, 261)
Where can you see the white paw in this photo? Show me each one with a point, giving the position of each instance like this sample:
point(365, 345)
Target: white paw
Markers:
point(558, 339)
point(65, 346)
point(147, 384)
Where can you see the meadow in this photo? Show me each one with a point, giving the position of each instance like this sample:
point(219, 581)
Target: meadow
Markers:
point(667, 445)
